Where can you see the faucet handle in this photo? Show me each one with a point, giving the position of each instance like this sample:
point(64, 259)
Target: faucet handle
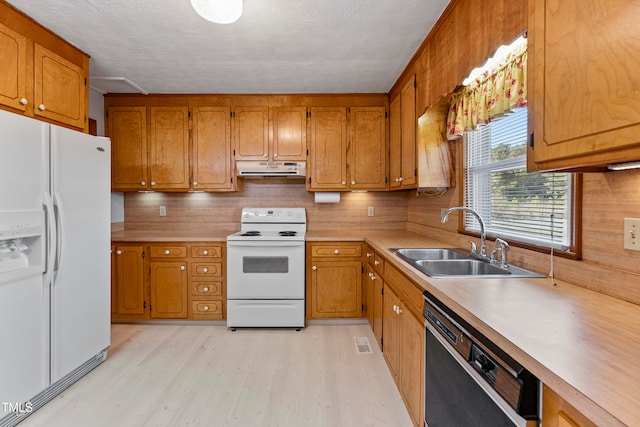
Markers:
point(474, 248)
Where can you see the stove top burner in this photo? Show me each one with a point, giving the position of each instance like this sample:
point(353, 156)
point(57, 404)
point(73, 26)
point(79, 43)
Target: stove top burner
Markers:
point(287, 233)
point(250, 233)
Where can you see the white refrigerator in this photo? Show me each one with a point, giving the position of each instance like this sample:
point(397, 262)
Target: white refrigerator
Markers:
point(54, 261)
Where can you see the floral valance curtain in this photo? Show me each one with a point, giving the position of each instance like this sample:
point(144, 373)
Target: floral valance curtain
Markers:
point(496, 91)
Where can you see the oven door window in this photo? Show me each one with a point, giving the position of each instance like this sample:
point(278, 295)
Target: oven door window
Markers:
point(265, 264)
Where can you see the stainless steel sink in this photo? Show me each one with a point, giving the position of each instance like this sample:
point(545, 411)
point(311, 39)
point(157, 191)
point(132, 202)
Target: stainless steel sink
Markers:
point(429, 253)
point(440, 262)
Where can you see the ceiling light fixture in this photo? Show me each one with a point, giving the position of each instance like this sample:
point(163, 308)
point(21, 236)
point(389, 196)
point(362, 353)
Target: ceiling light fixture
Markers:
point(218, 11)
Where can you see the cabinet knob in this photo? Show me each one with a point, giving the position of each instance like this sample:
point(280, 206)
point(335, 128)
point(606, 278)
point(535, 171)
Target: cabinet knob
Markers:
point(167, 252)
point(143, 183)
point(205, 252)
point(205, 308)
point(42, 107)
point(206, 270)
point(395, 308)
point(23, 101)
point(344, 182)
point(376, 262)
point(373, 276)
point(206, 289)
point(182, 267)
point(400, 179)
point(353, 183)
point(195, 183)
point(336, 252)
point(118, 252)
point(314, 268)
point(368, 255)
point(275, 156)
point(153, 183)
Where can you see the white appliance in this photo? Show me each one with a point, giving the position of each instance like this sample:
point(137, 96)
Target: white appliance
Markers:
point(266, 269)
point(54, 261)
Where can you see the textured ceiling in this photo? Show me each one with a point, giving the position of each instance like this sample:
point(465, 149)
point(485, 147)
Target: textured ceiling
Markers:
point(277, 46)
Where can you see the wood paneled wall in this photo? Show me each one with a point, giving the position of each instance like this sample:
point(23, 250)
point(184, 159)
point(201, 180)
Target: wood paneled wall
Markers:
point(210, 211)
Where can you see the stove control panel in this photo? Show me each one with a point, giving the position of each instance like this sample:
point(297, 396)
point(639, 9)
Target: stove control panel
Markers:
point(273, 215)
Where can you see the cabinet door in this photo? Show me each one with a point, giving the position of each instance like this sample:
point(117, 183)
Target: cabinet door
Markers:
point(391, 331)
point(114, 283)
point(288, 133)
point(367, 294)
point(408, 124)
point(169, 148)
point(129, 280)
point(368, 159)
point(328, 149)
point(60, 89)
point(169, 290)
point(13, 73)
point(128, 132)
point(211, 149)
point(412, 364)
point(336, 288)
point(251, 133)
point(378, 306)
point(585, 83)
point(395, 144)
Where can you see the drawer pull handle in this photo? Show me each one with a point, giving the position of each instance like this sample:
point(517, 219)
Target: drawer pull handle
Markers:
point(205, 308)
point(206, 270)
point(376, 262)
point(206, 289)
point(205, 252)
point(336, 252)
point(167, 252)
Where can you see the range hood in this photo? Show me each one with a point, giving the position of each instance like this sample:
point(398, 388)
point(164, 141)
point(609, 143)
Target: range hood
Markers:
point(257, 169)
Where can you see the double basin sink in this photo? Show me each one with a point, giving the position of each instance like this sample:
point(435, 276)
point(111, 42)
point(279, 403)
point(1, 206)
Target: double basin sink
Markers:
point(440, 262)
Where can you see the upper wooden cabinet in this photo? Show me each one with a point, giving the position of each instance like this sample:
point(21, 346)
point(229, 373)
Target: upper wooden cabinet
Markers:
point(127, 127)
point(402, 138)
point(60, 89)
point(368, 148)
point(42, 76)
point(327, 166)
point(347, 149)
point(584, 84)
point(211, 167)
point(13, 74)
point(288, 133)
point(169, 148)
point(251, 133)
point(270, 134)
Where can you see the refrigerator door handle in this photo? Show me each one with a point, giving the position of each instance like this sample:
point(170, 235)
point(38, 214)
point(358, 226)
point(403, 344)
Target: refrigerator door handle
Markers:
point(59, 214)
point(51, 237)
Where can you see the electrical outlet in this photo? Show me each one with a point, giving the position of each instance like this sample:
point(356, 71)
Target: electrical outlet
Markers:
point(163, 211)
point(632, 234)
point(371, 211)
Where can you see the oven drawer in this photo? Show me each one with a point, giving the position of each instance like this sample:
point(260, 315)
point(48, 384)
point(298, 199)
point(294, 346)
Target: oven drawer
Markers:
point(346, 250)
point(206, 288)
point(209, 251)
point(205, 269)
point(168, 251)
point(207, 309)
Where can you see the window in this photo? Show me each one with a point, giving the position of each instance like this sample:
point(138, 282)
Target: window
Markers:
point(532, 208)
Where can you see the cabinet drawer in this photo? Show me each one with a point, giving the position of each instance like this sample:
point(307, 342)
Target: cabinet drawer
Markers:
point(210, 251)
point(206, 288)
point(168, 251)
point(338, 250)
point(209, 309)
point(205, 269)
point(407, 291)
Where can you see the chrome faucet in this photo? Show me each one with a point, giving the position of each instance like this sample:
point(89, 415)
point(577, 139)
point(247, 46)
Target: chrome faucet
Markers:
point(483, 235)
point(502, 247)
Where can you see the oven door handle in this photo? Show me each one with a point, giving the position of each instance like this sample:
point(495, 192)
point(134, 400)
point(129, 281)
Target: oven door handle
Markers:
point(265, 243)
point(477, 378)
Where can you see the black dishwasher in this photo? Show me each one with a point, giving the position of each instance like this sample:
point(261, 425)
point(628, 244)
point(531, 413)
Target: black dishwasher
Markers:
point(469, 381)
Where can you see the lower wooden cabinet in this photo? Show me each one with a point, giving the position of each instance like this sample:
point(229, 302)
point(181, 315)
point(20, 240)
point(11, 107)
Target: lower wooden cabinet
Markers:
point(334, 280)
point(372, 292)
point(127, 281)
point(173, 281)
point(556, 412)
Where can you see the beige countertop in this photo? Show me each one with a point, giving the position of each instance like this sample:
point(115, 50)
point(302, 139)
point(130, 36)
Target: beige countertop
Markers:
point(582, 344)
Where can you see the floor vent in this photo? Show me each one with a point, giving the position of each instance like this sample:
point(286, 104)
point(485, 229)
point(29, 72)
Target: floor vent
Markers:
point(362, 344)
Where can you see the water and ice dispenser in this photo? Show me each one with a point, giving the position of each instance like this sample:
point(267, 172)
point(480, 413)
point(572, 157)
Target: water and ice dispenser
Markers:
point(22, 243)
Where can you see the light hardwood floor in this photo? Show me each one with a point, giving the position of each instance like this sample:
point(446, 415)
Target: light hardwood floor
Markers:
point(193, 375)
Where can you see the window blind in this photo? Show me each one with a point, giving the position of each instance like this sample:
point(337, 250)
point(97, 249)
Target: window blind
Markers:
point(531, 208)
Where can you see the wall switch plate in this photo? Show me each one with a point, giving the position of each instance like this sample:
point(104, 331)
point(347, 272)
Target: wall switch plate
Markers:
point(632, 234)
point(371, 211)
point(163, 211)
